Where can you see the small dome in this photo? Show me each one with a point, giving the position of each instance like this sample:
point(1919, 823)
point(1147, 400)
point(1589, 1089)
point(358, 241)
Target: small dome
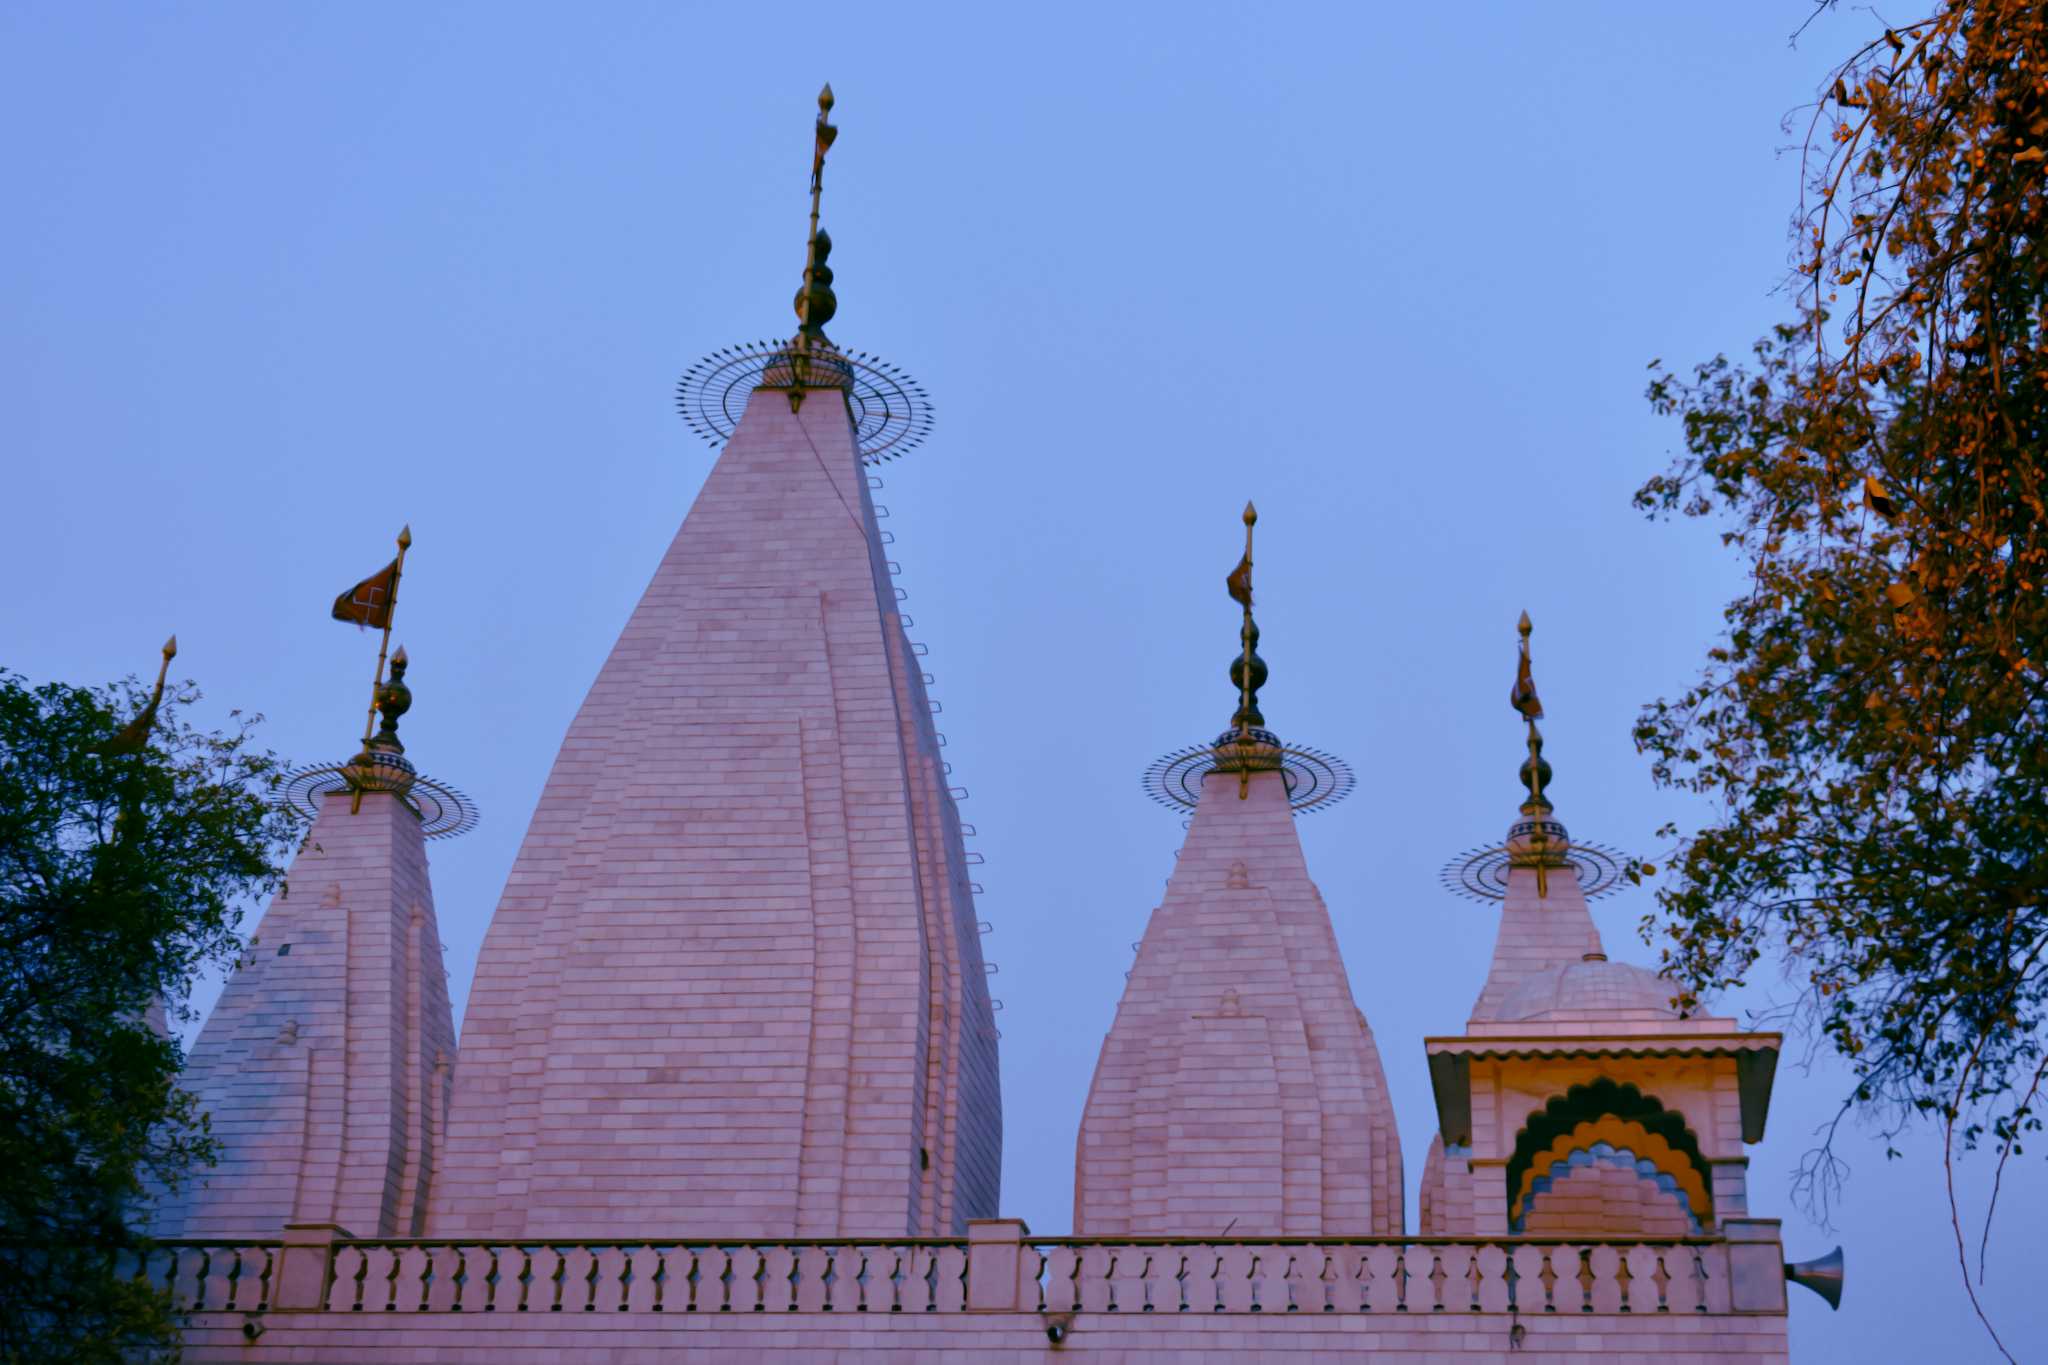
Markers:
point(1592, 989)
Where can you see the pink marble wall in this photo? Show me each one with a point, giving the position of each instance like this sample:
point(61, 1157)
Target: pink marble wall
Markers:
point(734, 980)
point(1536, 932)
point(1239, 1086)
point(998, 1338)
point(325, 1062)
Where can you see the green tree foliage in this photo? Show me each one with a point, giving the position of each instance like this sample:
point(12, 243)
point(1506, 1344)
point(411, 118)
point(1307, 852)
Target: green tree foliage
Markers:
point(120, 873)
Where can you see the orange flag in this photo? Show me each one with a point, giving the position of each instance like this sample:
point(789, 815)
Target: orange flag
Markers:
point(1523, 696)
point(1240, 581)
point(369, 602)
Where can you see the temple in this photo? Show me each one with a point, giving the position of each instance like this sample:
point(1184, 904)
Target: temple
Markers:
point(727, 1083)
point(1586, 1097)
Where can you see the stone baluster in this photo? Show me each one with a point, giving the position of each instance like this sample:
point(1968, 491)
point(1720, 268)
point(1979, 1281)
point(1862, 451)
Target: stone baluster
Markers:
point(816, 1277)
point(1529, 1289)
point(1603, 1284)
point(1093, 1280)
point(1062, 1266)
point(1492, 1262)
point(645, 1280)
point(949, 1280)
point(1646, 1287)
point(778, 1279)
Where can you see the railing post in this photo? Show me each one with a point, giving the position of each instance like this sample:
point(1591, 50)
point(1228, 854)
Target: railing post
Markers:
point(1756, 1265)
point(995, 1262)
point(304, 1265)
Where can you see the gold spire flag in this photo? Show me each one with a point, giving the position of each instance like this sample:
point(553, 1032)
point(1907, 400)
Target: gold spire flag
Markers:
point(369, 603)
point(1240, 581)
point(372, 603)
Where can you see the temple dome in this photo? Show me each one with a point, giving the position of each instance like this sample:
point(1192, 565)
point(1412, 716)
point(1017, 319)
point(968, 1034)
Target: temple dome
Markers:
point(1592, 988)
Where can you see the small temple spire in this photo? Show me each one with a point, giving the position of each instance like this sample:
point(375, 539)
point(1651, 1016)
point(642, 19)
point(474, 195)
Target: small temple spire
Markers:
point(326, 1062)
point(1239, 1089)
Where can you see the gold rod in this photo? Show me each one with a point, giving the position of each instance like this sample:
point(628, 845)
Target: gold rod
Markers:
point(821, 144)
point(163, 670)
point(1244, 690)
point(384, 644)
point(1539, 839)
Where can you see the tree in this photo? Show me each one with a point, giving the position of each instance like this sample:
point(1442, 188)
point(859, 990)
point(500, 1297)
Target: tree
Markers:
point(123, 855)
point(1872, 724)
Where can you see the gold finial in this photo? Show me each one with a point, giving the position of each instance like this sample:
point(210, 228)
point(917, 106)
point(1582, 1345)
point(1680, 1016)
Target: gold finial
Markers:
point(381, 766)
point(390, 611)
point(394, 699)
point(133, 737)
point(374, 601)
point(814, 302)
point(1535, 772)
point(1248, 671)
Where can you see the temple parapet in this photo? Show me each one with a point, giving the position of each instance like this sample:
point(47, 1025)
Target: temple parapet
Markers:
point(997, 1289)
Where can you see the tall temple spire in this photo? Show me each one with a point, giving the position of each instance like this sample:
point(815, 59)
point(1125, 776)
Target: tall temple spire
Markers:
point(750, 809)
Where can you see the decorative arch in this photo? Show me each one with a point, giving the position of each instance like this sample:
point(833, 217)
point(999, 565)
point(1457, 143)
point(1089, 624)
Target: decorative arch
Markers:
point(1610, 1123)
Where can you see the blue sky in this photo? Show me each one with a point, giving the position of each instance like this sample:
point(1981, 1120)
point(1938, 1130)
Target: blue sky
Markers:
point(276, 279)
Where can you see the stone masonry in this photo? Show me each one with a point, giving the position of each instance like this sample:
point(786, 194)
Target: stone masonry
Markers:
point(325, 1062)
point(1239, 1087)
point(735, 977)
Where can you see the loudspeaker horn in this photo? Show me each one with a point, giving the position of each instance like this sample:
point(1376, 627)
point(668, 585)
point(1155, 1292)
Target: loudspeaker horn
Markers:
point(1822, 1275)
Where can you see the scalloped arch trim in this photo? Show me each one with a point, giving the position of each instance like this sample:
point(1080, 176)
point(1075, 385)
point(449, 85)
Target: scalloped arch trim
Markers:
point(1550, 1130)
point(1625, 1143)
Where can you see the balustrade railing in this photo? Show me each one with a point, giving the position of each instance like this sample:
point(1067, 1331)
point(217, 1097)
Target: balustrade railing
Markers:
point(1425, 1275)
point(648, 1277)
point(1053, 1275)
point(209, 1277)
